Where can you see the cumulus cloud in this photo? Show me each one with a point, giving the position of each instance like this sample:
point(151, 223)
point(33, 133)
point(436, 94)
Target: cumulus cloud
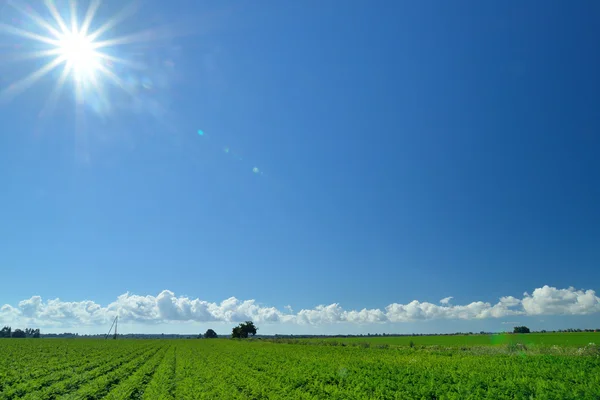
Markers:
point(552, 301)
point(8, 313)
point(168, 307)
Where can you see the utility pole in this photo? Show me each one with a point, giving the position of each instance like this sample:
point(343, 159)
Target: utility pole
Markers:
point(115, 325)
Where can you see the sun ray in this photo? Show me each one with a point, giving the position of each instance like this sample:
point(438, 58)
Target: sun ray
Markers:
point(30, 55)
point(96, 84)
point(59, 20)
point(119, 60)
point(143, 36)
point(78, 92)
point(19, 86)
point(99, 89)
point(52, 99)
point(116, 80)
point(26, 34)
point(37, 19)
point(73, 7)
point(113, 77)
point(114, 21)
point(89, 16)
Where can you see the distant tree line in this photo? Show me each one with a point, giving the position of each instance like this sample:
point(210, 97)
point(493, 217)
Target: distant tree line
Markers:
point(68, 335)
point(292, 336)
point(7, 332)
point(246, 329)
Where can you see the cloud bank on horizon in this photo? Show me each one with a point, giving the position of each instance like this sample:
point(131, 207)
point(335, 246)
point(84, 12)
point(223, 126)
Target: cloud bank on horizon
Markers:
point(167, 307)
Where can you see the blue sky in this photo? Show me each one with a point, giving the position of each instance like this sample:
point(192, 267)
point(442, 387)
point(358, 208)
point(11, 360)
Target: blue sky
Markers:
point(362, 155)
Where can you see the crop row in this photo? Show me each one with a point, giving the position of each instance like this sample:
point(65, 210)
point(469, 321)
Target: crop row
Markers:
point(230, 369)
point(207, 369)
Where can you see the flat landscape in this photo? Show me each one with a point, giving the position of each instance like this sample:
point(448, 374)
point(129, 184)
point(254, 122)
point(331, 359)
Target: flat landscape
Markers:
point(574, 339)
point(535, 366)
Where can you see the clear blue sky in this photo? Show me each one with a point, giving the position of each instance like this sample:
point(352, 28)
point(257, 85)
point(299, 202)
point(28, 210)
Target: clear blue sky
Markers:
point(403, 151)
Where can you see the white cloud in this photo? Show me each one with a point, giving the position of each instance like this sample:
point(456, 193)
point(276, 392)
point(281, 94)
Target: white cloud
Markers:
point(166, 307)
point(8, 314)
point(552, 301)
point(321, 315)
point(365, 316)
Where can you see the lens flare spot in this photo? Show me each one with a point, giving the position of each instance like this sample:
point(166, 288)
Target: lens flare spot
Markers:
point(200, 132)
point(255, 170)
point(499, 338)
point(147, 84)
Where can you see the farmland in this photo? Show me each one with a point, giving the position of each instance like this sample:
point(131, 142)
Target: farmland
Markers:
point(577, 339)
point(379, 368)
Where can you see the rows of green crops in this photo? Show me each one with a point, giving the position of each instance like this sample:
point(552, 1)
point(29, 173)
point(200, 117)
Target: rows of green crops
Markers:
point(230, 369)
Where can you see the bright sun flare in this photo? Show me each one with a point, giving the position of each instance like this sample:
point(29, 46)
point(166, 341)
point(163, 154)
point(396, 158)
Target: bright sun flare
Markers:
point(70, 44)
point(78, 52)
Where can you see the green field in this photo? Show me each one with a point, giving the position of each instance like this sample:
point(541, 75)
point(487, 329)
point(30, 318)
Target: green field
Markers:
point(577, 339)
point(260, 369)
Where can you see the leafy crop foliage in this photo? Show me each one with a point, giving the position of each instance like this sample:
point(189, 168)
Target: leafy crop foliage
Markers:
point(296, 369)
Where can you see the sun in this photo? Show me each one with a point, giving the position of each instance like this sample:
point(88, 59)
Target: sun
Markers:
point(79, 54)
point(70, 44)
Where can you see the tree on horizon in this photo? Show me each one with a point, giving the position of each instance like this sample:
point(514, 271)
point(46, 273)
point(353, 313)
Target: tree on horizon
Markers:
point(521, 329)
point(243, 330)
point(210, 334)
